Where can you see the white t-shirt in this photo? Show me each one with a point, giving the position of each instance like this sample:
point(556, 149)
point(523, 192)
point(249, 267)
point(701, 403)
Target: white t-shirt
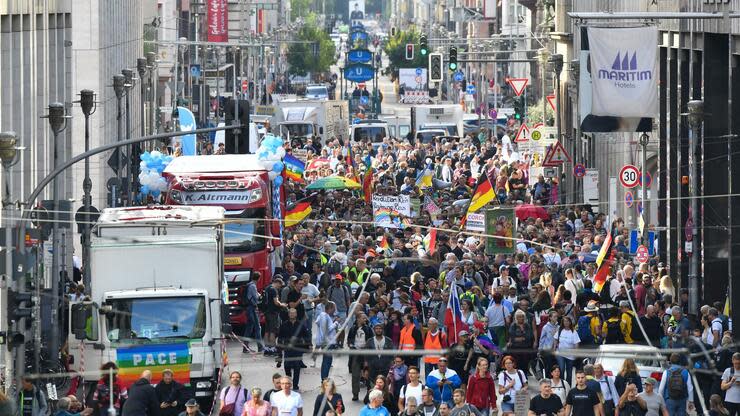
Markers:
point(286, 405)
point(505, 378)
point(732, 395)
point(561, 389)
point(410, 391)
point(568, 340)
point(715, 326)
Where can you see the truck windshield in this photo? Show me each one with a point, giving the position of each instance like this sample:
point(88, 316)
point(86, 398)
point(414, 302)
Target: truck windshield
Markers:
point(144, 320)
point(427, 136)
point(450, 129)
point(374, 134)
point(298, 130)
point(246, 236)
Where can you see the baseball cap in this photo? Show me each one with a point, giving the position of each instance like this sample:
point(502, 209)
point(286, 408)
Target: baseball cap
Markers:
point(191, 402)
point(650, 380)
point(462, 333)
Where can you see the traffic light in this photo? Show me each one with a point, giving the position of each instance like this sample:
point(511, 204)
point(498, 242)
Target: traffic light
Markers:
point(16, 310)
point(453, 59)
point(393, 32)
point(237, 144)
point(518, 108)
point(435, 67)
point(423, 47)
point(409, 51)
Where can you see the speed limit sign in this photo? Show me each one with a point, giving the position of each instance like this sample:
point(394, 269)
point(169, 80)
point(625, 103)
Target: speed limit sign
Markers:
point(629, 176)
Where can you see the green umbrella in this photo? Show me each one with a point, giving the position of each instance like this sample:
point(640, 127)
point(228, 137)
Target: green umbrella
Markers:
point(333, 182)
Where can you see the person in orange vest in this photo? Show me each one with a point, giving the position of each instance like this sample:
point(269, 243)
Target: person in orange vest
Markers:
point(410, 340)
point(433, 340)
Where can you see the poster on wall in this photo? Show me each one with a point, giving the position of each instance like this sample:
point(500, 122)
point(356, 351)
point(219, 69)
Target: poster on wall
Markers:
point(591, 123)
point(356, 11)
point(218, 20)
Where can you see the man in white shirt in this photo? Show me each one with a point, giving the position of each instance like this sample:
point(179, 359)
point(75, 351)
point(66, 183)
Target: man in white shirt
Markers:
point(286, 402)
point(608, 390)
point(715, 330)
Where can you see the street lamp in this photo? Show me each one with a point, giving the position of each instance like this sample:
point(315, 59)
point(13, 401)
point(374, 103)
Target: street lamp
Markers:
point(695, 119)
point(119, 87)
point(151, 64)
point(89, 106)
point(543, 55)
point(57, 122)
point(128, 86)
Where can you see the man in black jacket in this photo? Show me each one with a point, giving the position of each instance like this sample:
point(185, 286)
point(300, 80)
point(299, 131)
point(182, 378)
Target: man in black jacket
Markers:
point(379, 364)
point(294, 338)
point(358, 339)
point(170, 394)
point(142, 399)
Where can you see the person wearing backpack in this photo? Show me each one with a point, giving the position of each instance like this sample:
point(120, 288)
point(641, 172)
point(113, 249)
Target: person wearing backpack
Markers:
point(233, 396)
point(628, 323)
point(588, 325)
point(31, 399)
point(611, 329)
point(715, 328)
point(676, 388)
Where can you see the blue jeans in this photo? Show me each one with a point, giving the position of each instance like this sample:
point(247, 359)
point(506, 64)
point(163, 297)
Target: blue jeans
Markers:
point(326, 363)
point(252, 327)
point(566, 369)
point(676, 407)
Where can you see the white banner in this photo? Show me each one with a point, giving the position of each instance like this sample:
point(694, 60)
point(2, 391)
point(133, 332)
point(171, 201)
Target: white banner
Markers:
point(476, 222)
point(624, 69)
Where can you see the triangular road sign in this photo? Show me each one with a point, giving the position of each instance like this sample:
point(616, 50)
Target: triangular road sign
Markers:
point(523, 134)
point(518, 85)
point(556, 156)
point(551, 100)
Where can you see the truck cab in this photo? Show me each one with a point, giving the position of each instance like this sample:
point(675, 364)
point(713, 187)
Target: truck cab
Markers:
point(157, 298)
point(370, 130)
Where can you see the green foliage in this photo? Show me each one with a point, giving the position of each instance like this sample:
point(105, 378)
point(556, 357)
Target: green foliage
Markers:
point(395, 49)
point(301, 57)
point(299, 8)
point(534, 114)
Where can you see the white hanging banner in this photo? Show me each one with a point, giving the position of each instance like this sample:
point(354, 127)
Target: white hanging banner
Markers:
point(624, 71)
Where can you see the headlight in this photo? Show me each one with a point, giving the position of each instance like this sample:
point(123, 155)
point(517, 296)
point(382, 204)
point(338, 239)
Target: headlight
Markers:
point(255, 195)
point(203, 385)
point(176, 196)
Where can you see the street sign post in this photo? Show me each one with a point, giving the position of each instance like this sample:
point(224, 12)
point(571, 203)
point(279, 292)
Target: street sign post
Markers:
point(629, 176)
point(579, 170)
point(459, 76)
point(470, 89)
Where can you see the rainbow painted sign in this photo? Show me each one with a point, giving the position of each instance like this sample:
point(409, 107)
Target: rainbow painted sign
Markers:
point(389, 211)
point(155, 358)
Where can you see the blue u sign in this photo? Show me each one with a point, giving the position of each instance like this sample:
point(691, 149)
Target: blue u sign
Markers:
point(359, 55)
point(359, 72)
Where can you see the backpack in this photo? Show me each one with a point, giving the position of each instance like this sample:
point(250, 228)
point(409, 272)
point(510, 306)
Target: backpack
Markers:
point(635, 333)
point(584, 330)
point(613, 333)
point(725, 323)
point(334, 267)
point(265, 300)
point(677, 385)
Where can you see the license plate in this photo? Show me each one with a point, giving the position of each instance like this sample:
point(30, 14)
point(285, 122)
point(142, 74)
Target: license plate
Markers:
point(232, 261)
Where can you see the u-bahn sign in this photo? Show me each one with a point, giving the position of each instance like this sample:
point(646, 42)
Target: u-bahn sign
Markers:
point(359, 72)
point(359, 55)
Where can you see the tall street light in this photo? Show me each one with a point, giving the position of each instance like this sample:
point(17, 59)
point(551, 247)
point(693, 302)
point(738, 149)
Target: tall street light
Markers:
point(89, 106)
point(695, 119)
point(128, 86)
point(57, 122)
point(556, 60)
point(119, 87)
point(151, 64)
point(9, 157)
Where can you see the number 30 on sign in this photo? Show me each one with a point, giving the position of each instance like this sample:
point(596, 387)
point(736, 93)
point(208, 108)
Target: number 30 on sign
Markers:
point(629, 176)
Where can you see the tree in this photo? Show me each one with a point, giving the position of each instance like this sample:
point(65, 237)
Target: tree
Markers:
point(534, 114)
point(395, 49)
point(299, 8)
point(316, 56)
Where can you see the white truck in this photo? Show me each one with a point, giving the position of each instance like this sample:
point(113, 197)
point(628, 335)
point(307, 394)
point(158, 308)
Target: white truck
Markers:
point(373, 131)
point(297, 119)
point(157, 298)
point(448, 117)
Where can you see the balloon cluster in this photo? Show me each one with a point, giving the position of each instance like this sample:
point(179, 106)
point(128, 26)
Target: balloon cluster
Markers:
point(150, 177)
point(270, 153)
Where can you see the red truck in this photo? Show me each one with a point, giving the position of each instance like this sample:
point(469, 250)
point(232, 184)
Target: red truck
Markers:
point(241, 185)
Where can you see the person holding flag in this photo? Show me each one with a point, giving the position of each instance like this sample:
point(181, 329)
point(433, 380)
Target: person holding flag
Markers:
point(482, 196)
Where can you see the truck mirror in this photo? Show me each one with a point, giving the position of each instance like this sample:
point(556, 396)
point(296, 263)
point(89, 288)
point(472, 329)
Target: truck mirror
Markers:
point(80, 313)
point(225, 319)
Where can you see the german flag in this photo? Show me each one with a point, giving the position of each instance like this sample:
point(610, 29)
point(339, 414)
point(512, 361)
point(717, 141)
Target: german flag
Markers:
point(299, 212)
point(482, 195)
point(604, 262)
point(367, 185)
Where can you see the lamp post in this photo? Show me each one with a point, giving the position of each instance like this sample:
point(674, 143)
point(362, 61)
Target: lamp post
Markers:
point(556, 60)
point(128, 86)
point(8, 157)
point(696, 119)
point(57, 122)
point(89, 106)
point(543, 55)
point(151, 64)
point(119, 83)
point(644, 140)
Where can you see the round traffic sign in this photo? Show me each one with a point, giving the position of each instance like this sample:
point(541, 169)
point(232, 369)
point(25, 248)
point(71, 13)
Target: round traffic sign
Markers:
point(642, 254)
point(648, 181)
point(459, 76)
point(579, 170)
point(471, 89)
point(629, 176)
point(419, 71)
point(629, 199)
point(245, 85)
point(536, 135)
point(493, 113)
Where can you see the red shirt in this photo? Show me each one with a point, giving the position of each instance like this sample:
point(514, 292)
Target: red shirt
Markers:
point(481, 391)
